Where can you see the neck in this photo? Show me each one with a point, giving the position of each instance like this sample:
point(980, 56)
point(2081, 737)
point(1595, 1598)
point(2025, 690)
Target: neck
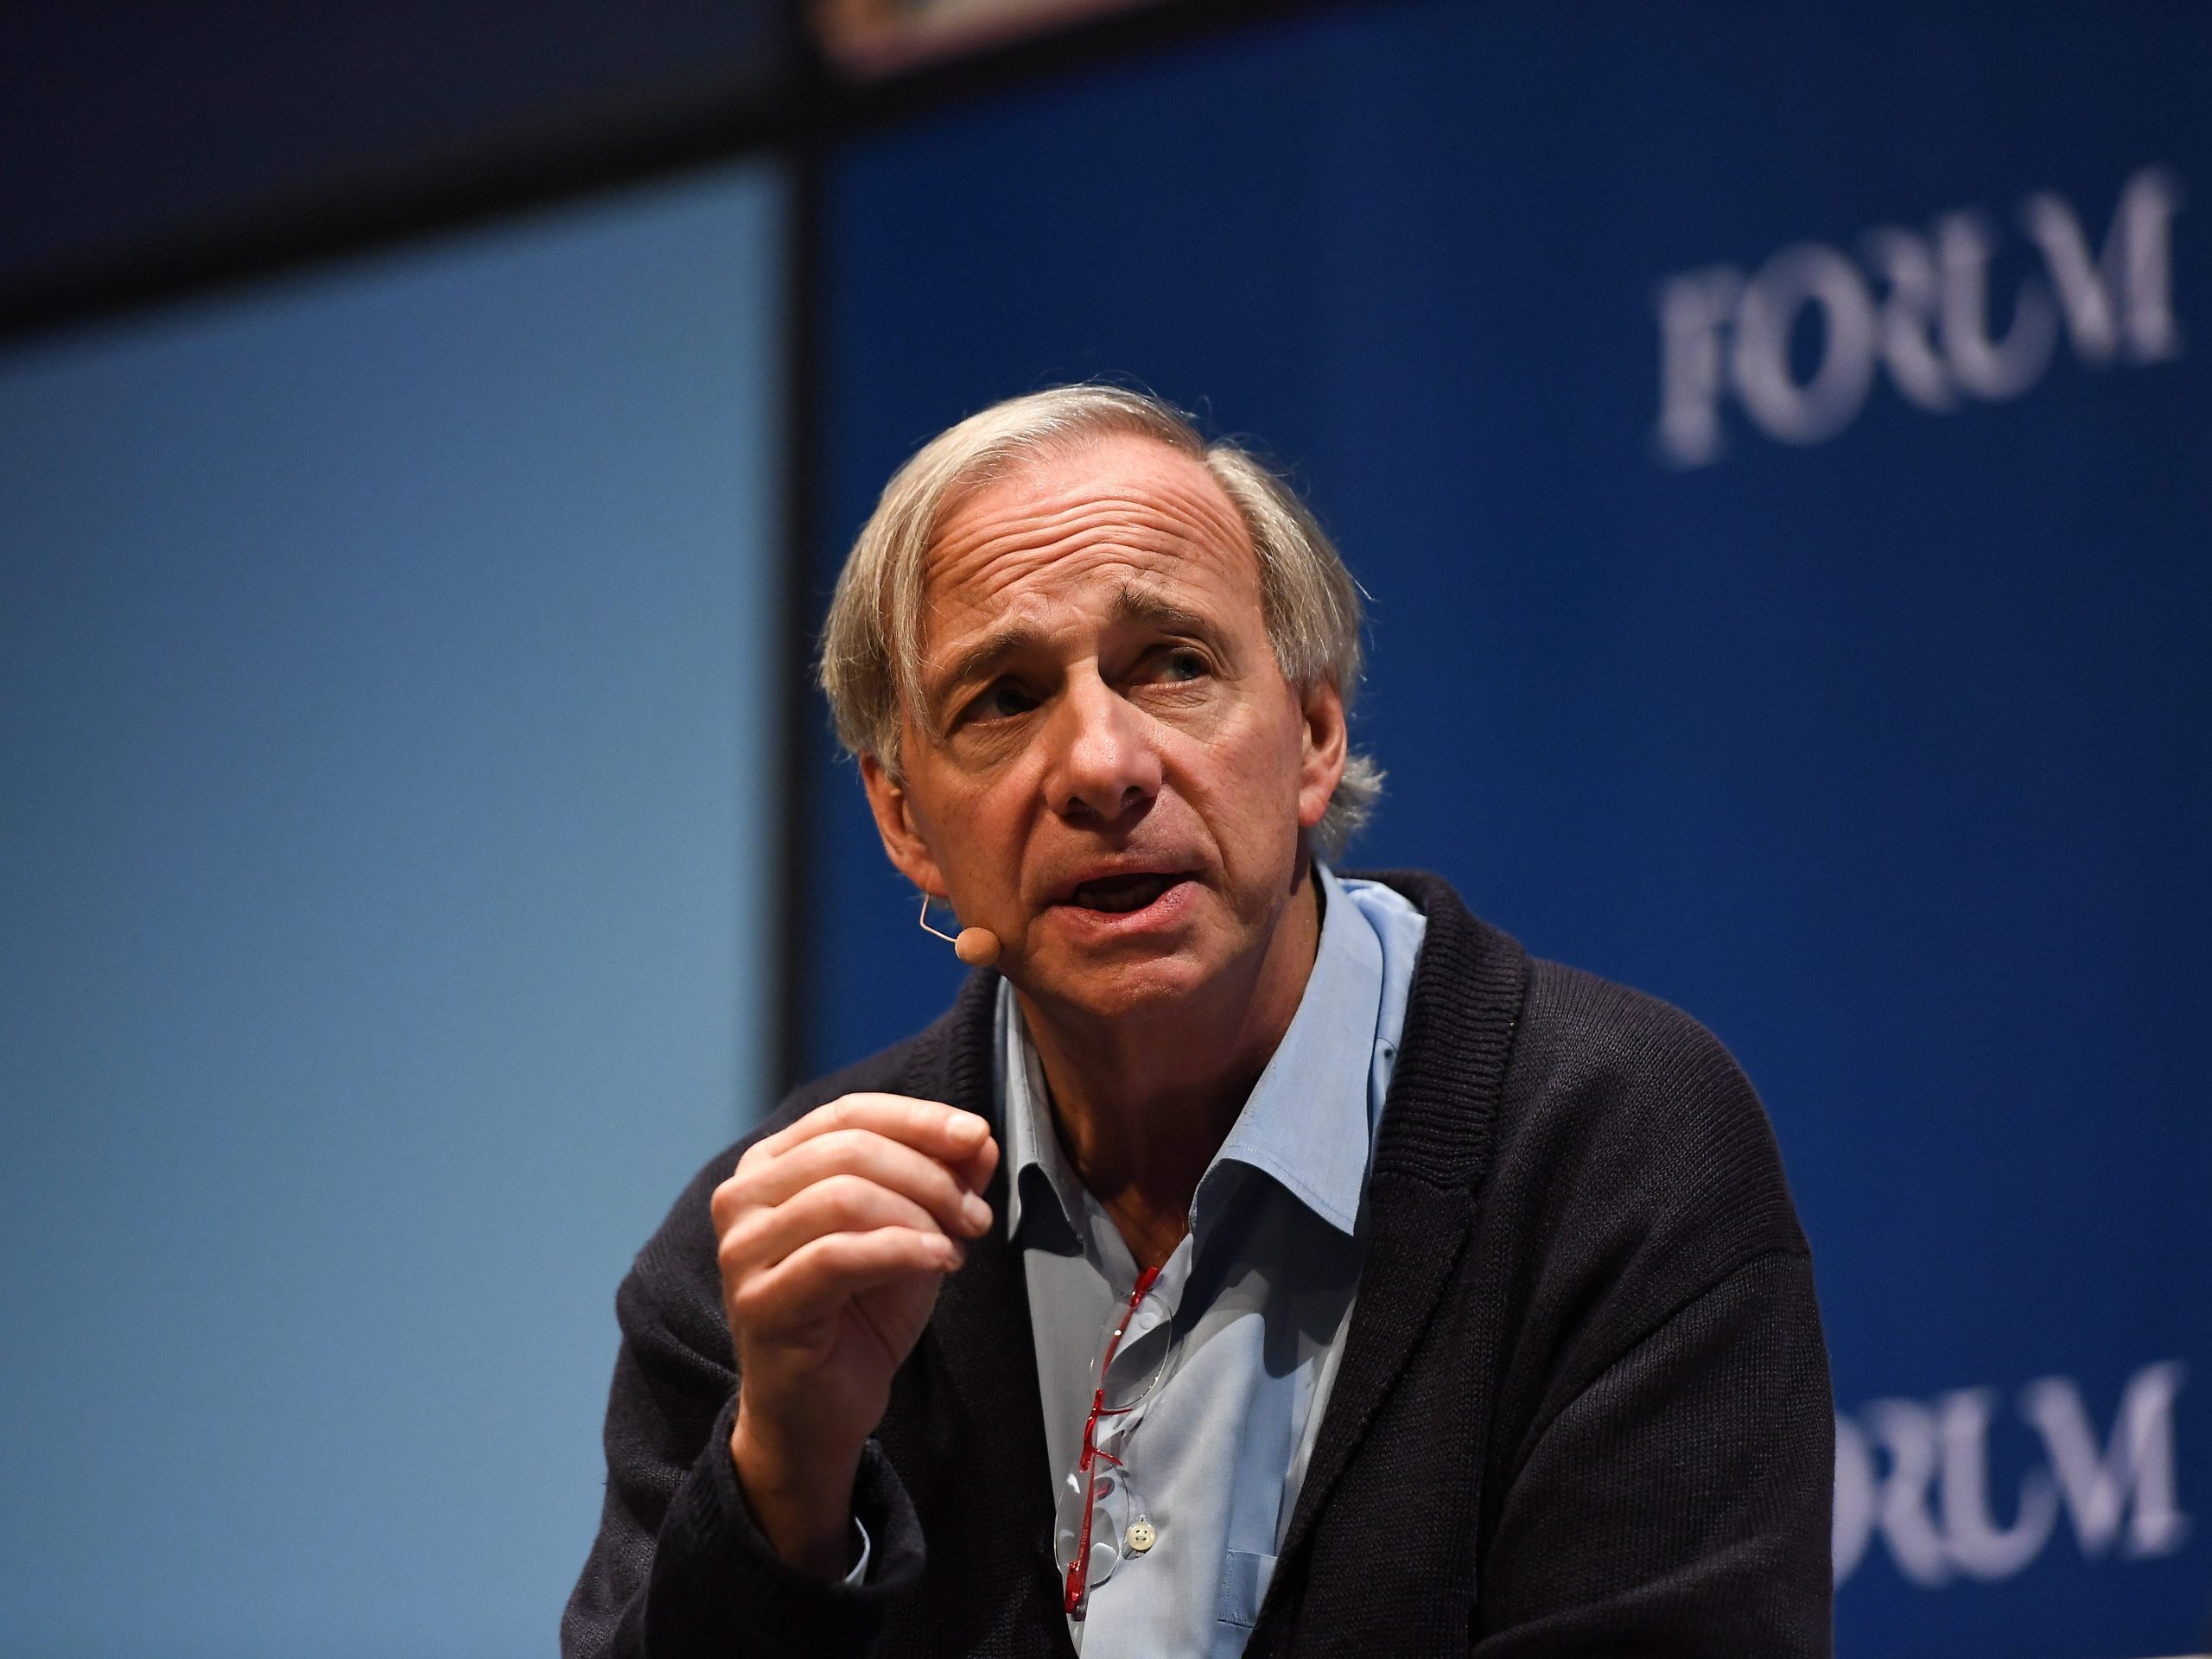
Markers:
point(1143, 1103)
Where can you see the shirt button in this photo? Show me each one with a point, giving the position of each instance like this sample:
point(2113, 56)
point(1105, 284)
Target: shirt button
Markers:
point(1142, 1537)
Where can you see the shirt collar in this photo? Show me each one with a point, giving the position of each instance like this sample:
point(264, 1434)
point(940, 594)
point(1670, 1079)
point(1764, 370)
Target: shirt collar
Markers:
point(1306, 1123)
point(1034, 1161)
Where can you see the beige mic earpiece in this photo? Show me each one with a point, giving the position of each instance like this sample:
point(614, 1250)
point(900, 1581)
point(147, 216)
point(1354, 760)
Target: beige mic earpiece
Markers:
point(977, 946)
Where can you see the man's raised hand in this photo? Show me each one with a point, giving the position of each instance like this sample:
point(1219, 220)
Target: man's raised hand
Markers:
point(835, 1234)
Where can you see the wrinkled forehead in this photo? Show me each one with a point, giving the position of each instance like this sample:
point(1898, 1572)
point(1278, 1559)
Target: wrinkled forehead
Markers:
point(1109, 514)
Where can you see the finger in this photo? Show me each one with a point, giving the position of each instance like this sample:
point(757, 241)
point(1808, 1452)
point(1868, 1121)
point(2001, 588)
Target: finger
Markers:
point(762, 1179)
point(817, 1279)
point(928, 1126)
point(843, 1203)
point(874, 1158)
point(974, 1172)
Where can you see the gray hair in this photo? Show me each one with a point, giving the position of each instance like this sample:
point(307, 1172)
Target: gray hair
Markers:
point(871, 661)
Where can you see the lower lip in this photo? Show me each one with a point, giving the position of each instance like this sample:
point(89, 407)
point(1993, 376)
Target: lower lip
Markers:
point(1109, 926)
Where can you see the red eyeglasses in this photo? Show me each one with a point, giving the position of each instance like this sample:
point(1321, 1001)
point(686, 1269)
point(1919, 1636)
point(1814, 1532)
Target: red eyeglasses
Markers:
point(1100, 1485)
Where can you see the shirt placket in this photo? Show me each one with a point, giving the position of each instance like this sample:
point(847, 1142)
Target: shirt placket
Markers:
point(1145, 1349)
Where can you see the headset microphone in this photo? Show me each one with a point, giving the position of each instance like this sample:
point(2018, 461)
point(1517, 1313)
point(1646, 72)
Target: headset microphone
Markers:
point(977, 946)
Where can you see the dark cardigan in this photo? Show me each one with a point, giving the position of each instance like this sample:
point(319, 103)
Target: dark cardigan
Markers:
point(1584, 1408)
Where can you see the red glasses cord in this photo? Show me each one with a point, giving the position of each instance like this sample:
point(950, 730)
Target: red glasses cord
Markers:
point(1078, 1579)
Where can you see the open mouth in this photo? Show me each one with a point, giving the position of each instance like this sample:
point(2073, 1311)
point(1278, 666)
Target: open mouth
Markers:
point(1117, 894)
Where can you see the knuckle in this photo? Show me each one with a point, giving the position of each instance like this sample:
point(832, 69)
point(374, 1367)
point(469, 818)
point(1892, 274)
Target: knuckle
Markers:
point(845, 1196)
point(750, 1307)
point(735, 1254)
point(735, 1274)
point(727, 1203)
point(733, 1199)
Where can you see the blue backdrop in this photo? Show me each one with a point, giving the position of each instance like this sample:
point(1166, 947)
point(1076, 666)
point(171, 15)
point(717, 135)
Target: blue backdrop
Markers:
point(1776, 443)
point(384, 654)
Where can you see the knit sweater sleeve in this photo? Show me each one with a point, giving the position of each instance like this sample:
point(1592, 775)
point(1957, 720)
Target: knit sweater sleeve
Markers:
point(1661, 1482)
point(1679, 1505)
point(679, 1568)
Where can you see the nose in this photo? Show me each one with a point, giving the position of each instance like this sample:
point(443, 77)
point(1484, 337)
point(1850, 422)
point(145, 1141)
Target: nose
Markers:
point(1105, 767)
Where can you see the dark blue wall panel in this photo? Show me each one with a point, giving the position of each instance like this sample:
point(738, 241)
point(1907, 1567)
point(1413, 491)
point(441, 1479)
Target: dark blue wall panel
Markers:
point(1859, 709)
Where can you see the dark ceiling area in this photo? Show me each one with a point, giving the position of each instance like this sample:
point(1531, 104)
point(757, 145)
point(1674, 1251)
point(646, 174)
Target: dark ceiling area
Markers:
point(145, 148)
point(150, 151)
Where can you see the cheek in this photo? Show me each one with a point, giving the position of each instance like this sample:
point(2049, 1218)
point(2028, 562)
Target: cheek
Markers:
point(1250, 790)
point(980, 837)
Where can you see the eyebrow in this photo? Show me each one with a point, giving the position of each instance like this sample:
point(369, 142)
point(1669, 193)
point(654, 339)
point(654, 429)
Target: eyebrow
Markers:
point(1132, 604)
point(974, 662)
point(1135, 604)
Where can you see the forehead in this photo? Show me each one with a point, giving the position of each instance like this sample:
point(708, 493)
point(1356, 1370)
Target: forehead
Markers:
point(1095, 519)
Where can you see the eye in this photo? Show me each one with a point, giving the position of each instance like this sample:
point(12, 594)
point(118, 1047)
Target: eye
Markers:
point(1001, 701)
point(1182, 664)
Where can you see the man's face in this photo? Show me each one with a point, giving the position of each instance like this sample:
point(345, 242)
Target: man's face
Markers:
point(1110, 772)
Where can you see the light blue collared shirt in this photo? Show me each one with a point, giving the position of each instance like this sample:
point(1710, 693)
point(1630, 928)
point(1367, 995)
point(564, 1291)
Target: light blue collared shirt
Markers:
point(1245, 1324)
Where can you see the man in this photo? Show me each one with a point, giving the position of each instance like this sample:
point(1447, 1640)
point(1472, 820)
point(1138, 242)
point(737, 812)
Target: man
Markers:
point(1256, 1260)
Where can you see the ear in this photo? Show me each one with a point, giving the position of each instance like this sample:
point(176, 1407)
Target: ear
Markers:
point(894, 822)
point(1325, 743)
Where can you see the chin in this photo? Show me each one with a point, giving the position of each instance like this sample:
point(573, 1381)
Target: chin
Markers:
point(1130, 988)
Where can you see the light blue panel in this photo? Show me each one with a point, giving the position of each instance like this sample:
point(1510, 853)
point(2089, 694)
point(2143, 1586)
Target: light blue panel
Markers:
point(387, 685)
